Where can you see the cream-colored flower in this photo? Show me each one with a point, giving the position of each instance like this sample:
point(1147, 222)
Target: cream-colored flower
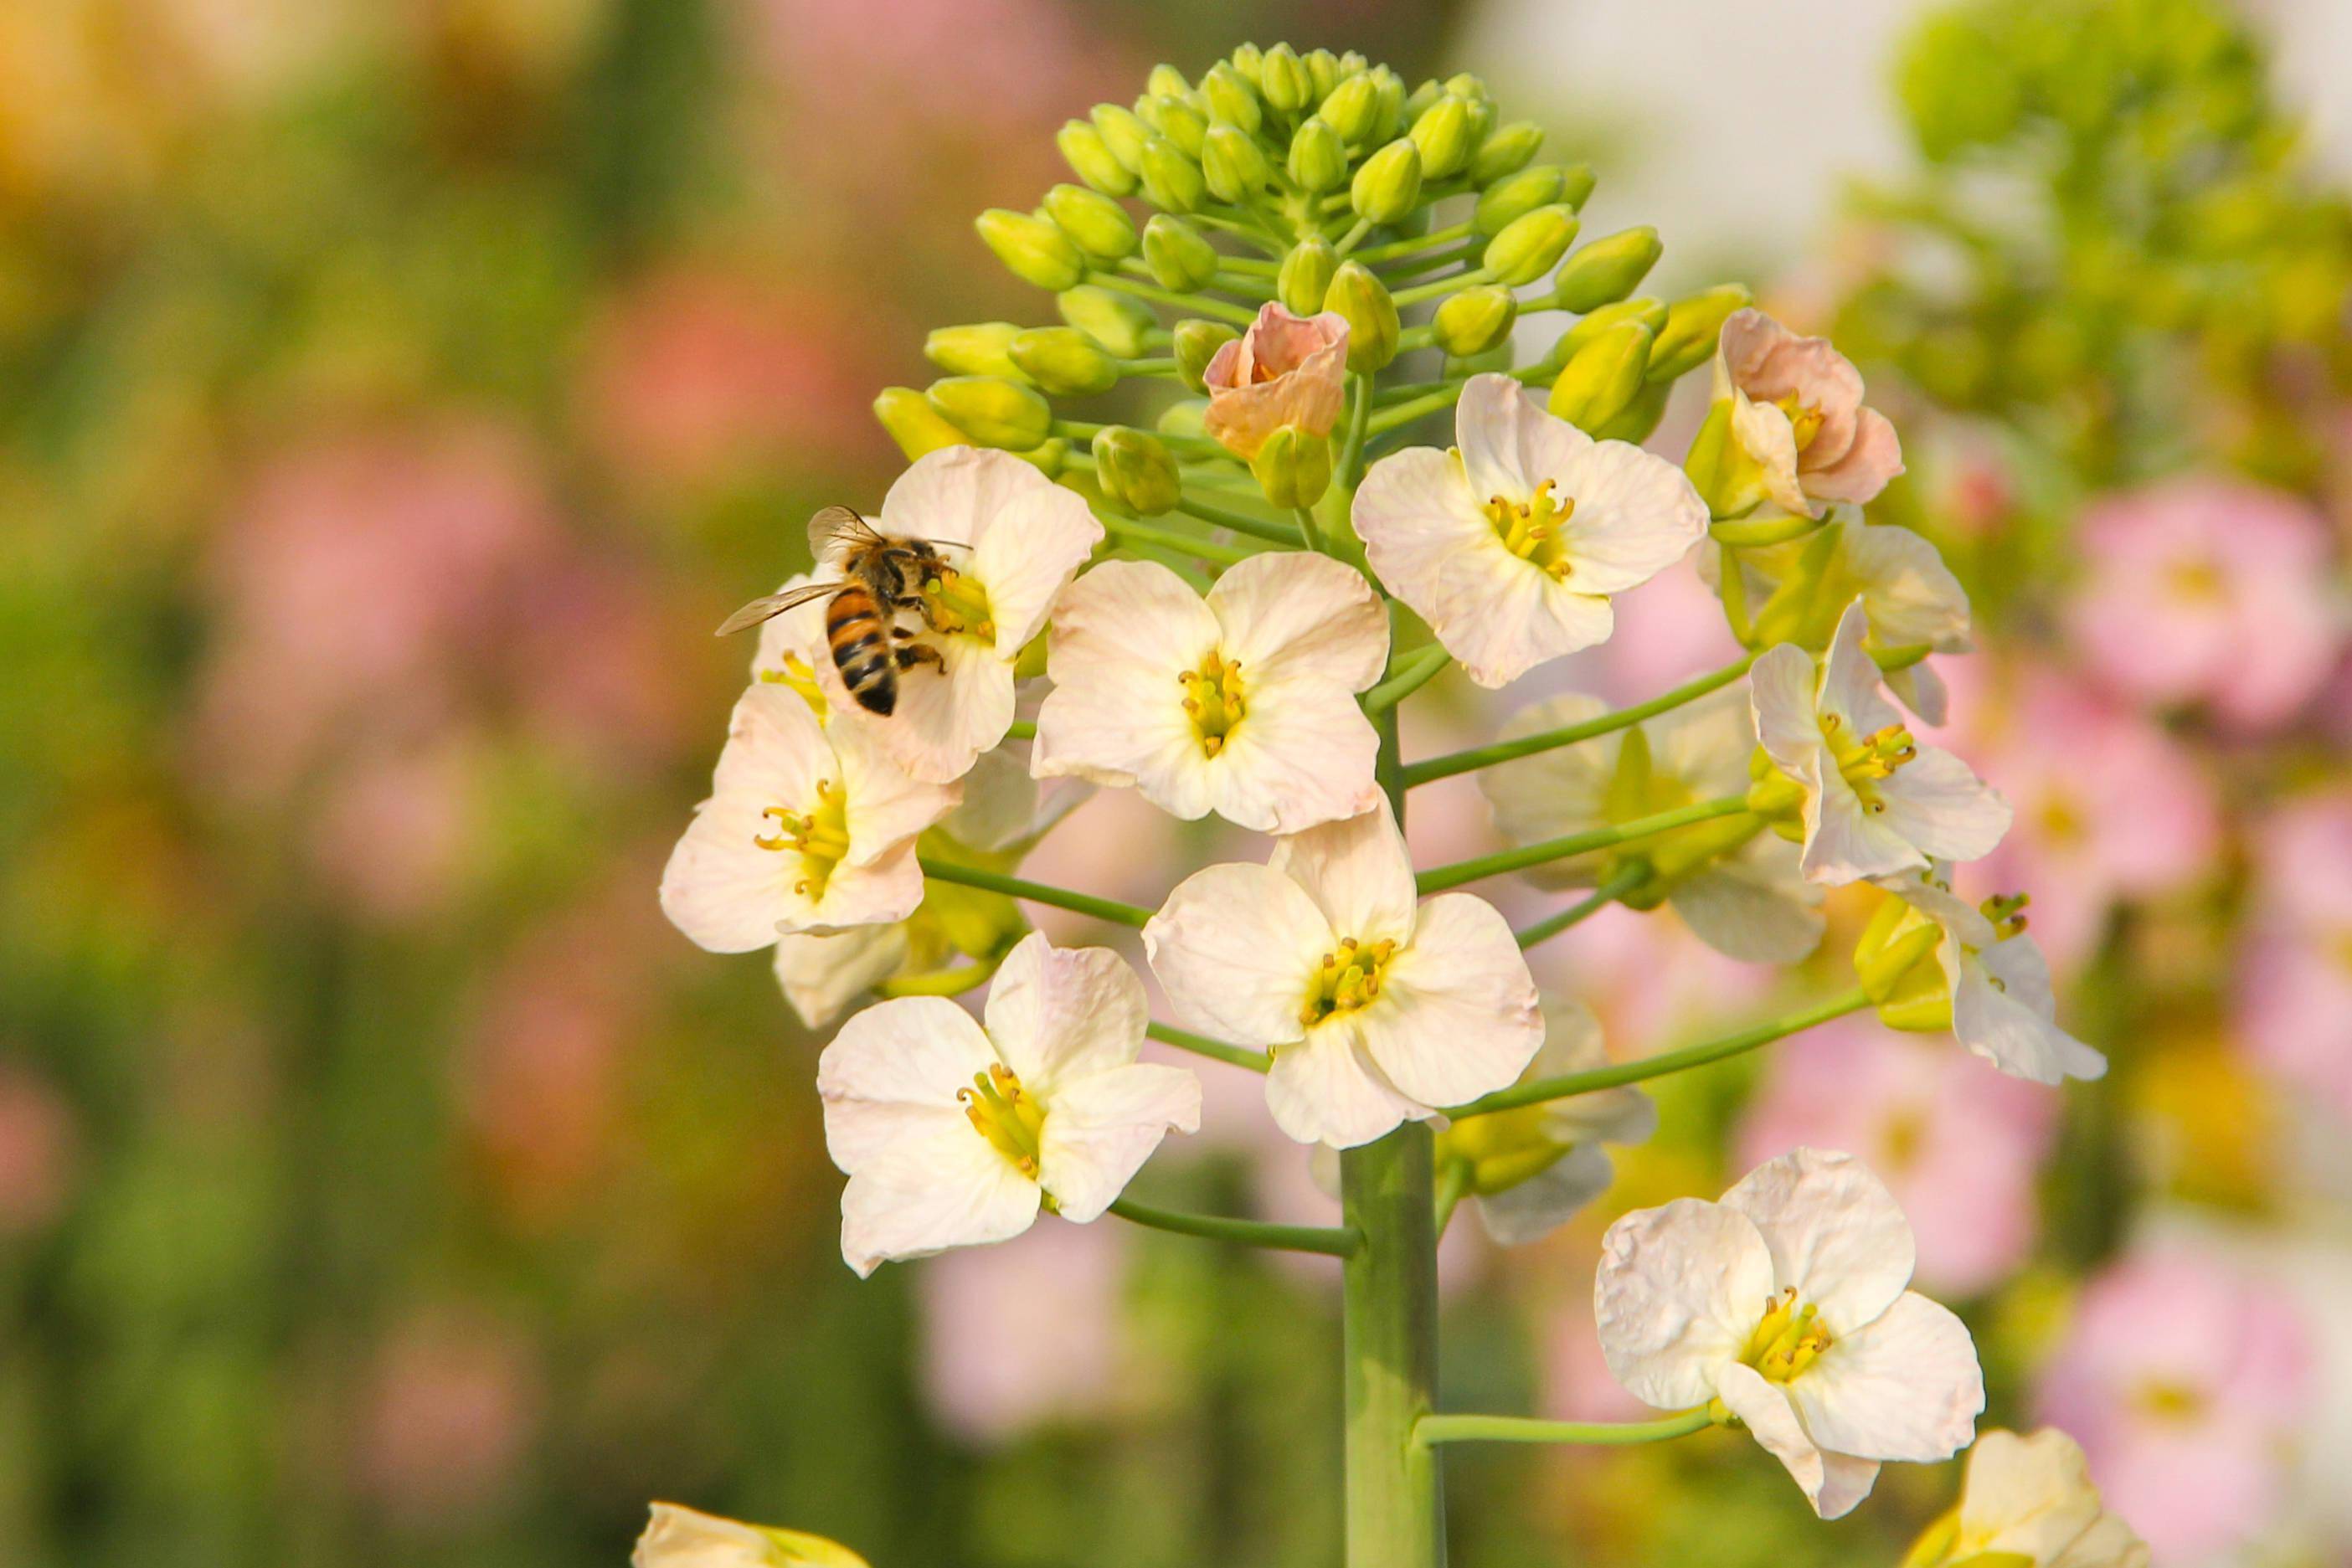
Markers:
point(1797, 412)
point(1242, 703)
point(2029, 1503)
point(1510, 545)
point(1286, 370)
point(683, 1538)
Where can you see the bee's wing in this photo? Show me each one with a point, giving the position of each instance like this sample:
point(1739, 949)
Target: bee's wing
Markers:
point(767, 606)
point(836, 526)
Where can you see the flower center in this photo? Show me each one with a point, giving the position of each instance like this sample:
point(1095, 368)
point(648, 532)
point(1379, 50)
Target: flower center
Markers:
point(2195, 581)
point(1006, 1114)
point(1791, 1338)
point(1900, 1142)
point(1866, 760)
point(1347, 978)
point(1804, 419)
point(957, 602)
point(2170, 1401)
point(1213, 700)
point(1531, 528)
point(797, 675)
point(2062, 819)
point(819, 836)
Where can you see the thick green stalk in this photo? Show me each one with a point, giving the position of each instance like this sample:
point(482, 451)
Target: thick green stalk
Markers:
point(1412, 672)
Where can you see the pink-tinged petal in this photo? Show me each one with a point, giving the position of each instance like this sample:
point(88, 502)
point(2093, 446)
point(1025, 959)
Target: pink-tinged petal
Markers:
point(1457, 1014)
point(1414, 513)
point(1235, 947)
point(889, 1081)
point(1303, 756)
point(1123, 634)
point(1324, 1088)
point(1026, 546)
point(1908, 595)
point(775, 748)
point(1635, 515)
point(1845, 842)
point(1099, 1130)
point(1358, 874)
point(2030, 1495)
point(1832, 1483)
point(1502, 616)
point(947, 714)
point(1287, 614)
point(725, 893)
point(886, 806)
point(1304, 360)
point(967, 1195)
point(1904, 1387)
point(1868, 466)
point(1834, 1233)
point(1679, 1289)
point(1850, 689)
point(1781, 686)
point(888, 888)
point(1057, 1014)
point(1507, 443)
point(1935, 804)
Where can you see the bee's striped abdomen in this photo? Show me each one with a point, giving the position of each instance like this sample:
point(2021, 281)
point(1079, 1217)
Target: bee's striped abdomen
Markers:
point(860, 639)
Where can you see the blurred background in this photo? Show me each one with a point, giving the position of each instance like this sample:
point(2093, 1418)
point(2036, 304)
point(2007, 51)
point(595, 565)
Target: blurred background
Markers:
point(392, 395)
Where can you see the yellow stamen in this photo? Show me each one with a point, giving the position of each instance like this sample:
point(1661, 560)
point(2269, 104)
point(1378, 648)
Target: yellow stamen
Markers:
point(1349, 979)
point(1533, 529)
point(820, 836)
point(1007, 1116)
point(1213, 700)
point(1789, 1339)
point(956, 602)
point(1870, 758)
point(1804, 419)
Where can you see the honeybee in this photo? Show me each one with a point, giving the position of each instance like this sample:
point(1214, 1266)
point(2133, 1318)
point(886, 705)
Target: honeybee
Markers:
point(882, 575)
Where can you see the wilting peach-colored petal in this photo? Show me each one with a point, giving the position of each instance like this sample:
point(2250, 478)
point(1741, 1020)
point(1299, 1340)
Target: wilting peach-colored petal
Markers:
point(1286, 370)
point(1799, 413)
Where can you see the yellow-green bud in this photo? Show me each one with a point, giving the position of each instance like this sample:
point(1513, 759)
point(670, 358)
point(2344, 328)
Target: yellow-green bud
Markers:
point(1505, 152)
point(1137, 471)
point(1294, 466)
point(1122, 133)
point(1248, 59)
point(978, 349)
point(1466, 85)
point(1507, 200)
point(1606, 271)
point(1167, 80)
point(1232, 99)
point(1637, 419)
point(1089, 158)
point(992, 411)
point(1444, 132)
point(1032, 248)
point(1178, 257)
point(1530, 246)
point(1188, 417)
point(1497, 358)
point(1604, 377)
point(1171, 181)
point(1352, 63)
point(1286, 81)
point(1391, 114)
point(1322, 73)
point(1099, 226)
point(1306, 275)
point(1359, 296)
point(1353, 107)
point(1064, 361)
point(1575, 185)
point(1388, 183)
point(1420, 98)
point(1319, 156)
point(1048, 456)
point(1474, 320)
point(1177, 119)
point(1117, 321)
point(914, 424)
point(1232, 164)
point(1649, 312)
point(1197, 343)
point(1687, 341)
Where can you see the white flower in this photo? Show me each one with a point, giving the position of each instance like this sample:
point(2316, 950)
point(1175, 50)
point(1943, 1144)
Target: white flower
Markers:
point(952, 1135)
point(1990, 980)
point(683, 1538)
point(1874, 802)
point(1510, 546)
point(1736, 888)
point(1013, 538)
point(805, 830)
point(2031, 1500)
point(1797, 589)
point(822, 975)
point(1375, 1010)
point(1241, 704)
point(1786, 1302)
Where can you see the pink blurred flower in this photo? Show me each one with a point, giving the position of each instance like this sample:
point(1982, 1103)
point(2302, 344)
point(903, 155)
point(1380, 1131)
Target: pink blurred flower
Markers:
point(595, 667)
point(2209, 591)
point(2295, 984)
point(37, 1151)
point(451, 1405)
point(1017, 1336)
point(2185, 1384)
point(1958, 1145)
point(390, 834)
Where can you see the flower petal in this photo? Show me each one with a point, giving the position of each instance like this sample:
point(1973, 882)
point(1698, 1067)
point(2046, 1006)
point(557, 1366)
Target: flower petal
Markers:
point(1781, 686)
point(1235, 947)
point(1507, 449)
point(1679, 1289)
point(1845, 842)
point(967, 1195)
point(1303, 756)
point(914, 1053)
point(1324, 1088)
point(1100, 1129)
point(1850, 689)
point(2013, 1023)
point(1837, 1235)
point(822, 975)
point(1635, 515)
point(1903, 1387)
point(1358, 874)
point(2029, 1495)
point(1756, 907)
point(721, 888)
point(1547, 1200)
point(887, 807)
point(1028, 538)
point(887, 890)
point(1123, 636)
point(1287, 612)
point(1458, 1015)
point(1938, 805)
point(1551, 794)
point(1060, 1014)
point(1832, 1483)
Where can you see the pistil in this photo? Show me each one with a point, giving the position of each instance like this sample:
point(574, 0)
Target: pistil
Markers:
point(1531, 528)
point(1007, 1116)
point(820, 836)
point(1213, 700)
point(1350, 978)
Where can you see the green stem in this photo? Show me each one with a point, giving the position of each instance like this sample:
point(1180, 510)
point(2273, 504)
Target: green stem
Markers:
point(1435, 1429)
point(1163, 365)
point(1354, 236)
point(1387, 419)
point(1413, 671)
point(1169, 538)
point(1434, 767)
point(1452, 284)
point(1626, 879)
point(1241, 522)
point(1330, 1242)
point(1035, 892)
point(1453, 1186)
point(1594, 1080)
point(1307, 529)
point(1437, 879)
point(1021, 729)
point(1191, 303)
point(1349, 471)
point(1202, 1045)
point(1431, 241)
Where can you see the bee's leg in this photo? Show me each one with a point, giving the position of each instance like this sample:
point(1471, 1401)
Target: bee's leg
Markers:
point(922, 604)
point(911, 653)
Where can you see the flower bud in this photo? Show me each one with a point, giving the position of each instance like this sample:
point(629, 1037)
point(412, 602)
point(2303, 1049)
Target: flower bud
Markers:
point(1099, 226)
point(1032, 248)
point(1177, 119)
point(1606, 271)
point(1692, 326)
point(1170, 181)
point(1048, 457)
point(992, 411)
point(1443, 132)
point(1392, 110)
point(1530, 246)
point(1388, 183)
point(1507, 200)
point(1322, 74)
point(1178, 257)
point(1197, 343)
point(1362, 301)
point(1232, 164)
point(1089, 158)
point(1499, 358)
point(978, 349)
point(1294, 466)
point(1318, 156)
point(1603, 377)
point(1284, 79)
point(1505, 152)
point(1474, 320)
point(1117, 321)
point(1468, 86)
point(914, 424)
point(1122, 133)
point(1575, 185)
point(1166, 81)
point(1248, 59)
point(1187, 417)
point(1634, 422)
point(1306, 275)
point(1649, 312)
point(1420, 98)
point(1137, 471)
point(1352, 108)
point(1064, 361)
point(1232, 100)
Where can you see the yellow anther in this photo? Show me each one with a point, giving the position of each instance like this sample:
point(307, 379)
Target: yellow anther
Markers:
point(1215, 701)
point(954, 602)
point(1007, 1116)
point(1789, 1339)
point(1350, 978)
point(820, 836)
point(1804, 419)
point(1531, 528)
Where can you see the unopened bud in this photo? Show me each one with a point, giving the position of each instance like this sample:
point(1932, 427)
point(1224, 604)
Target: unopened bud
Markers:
point(1634, 422)
point(1032, 249)
point(1352, 108)
point(1318, 156)
point(1186, 417)
point(1090, 158)
point(1322, 74)
point(1604, 377)
point(1284, 79)
point(1172, 182)
point(1099, 226)
point(1064, 361)
point(1117, 321)
point(1530, 246)
point(1294, 467)
point(1362, 301)
point(1137, 471)
point(1178, 257)
point(1248, 59)
point(993, 412)
point(1445, 133)
point(1474, 320)
point(1122, 133)
point(1390, 117)
point(1232, 164)
point(914, 424)
point(1197, 343)
point(1692, 326)
point(1165, 81)
point(1505, 152)
point(1388, 183)
point(1606, 271)
point(1467, 85)
point(1507, 200)
point(1232, 99)
point(1649, 312)
point(1420, 98)
point(1576, 183)
point(1306, 275)
point(1177, 119)
point(1048, 457)
point(978, 349)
